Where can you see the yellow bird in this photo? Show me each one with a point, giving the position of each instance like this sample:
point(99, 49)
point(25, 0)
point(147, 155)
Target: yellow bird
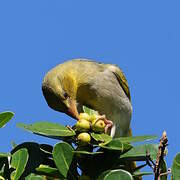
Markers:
point(102, 87)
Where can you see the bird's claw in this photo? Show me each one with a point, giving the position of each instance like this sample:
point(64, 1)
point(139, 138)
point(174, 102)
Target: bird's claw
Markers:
point(107, 122)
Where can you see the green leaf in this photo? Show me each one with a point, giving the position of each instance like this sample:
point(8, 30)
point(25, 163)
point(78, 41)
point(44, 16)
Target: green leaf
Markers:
point(101, 137)
point(2, 178)
point(46, 148)
point(176, 167)
point(163, 169)
point(2, 155)
point(49, 171)
point(87, 153)
point(63, 156)
point(36, 155)
point(139, 174)
point(4, 166)
point(138, 153)
point(34, 177)
point(13, 174)
point(5, 117)
point(115, 174)
point(19, 161)
point(134, 139)
point(116, 144)
point(48, 129)
point(89, 111)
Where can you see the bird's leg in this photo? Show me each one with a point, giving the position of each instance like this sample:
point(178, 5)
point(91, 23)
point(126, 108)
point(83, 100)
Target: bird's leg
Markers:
point(108, 123)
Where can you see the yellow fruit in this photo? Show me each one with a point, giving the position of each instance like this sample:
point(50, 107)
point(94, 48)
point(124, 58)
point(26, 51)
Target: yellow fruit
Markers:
point(94, 117)
point(84, 138)
point(98, 126)
point(84, 116)
point(82, 125)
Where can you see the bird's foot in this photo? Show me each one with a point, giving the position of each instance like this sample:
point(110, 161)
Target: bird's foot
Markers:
point(108, 123)
point(108, 126)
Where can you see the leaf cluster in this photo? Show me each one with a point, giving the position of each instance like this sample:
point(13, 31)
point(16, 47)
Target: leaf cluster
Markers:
point(103, 158)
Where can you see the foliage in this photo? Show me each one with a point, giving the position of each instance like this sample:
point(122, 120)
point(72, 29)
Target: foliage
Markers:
point(103, 158)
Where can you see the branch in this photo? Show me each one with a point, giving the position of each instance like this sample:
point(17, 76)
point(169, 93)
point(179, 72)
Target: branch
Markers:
point(160, 155)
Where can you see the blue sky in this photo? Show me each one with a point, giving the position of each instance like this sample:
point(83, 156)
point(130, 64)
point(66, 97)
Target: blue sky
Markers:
point(142, 37)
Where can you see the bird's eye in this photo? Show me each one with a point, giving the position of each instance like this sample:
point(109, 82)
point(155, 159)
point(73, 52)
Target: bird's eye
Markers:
point(65, 95)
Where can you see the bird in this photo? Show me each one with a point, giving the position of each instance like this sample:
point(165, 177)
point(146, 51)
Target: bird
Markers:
point(83, 82)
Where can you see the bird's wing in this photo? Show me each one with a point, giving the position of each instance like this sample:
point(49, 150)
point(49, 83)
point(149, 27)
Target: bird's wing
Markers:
point(121, 79)
point(115, 70)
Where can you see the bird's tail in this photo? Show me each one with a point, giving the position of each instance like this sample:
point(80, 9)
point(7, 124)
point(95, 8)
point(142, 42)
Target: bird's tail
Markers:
point(130, 132)
point(132, 165)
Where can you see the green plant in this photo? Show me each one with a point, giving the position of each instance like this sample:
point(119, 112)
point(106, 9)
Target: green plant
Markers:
point(102, 158)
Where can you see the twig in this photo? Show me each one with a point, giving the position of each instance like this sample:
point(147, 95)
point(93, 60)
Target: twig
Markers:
point(69, 127)
point(139, 167)
point(165, 173)
point(160, 155)
point(149, 161)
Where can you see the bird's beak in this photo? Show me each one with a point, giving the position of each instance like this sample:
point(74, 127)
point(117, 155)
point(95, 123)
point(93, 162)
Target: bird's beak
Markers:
point(72, 109)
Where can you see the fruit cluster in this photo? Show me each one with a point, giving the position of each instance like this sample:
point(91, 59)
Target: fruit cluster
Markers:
point(89, 123)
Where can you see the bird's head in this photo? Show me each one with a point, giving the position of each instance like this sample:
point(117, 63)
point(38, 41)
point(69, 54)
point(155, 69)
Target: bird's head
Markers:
point(59, 90)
